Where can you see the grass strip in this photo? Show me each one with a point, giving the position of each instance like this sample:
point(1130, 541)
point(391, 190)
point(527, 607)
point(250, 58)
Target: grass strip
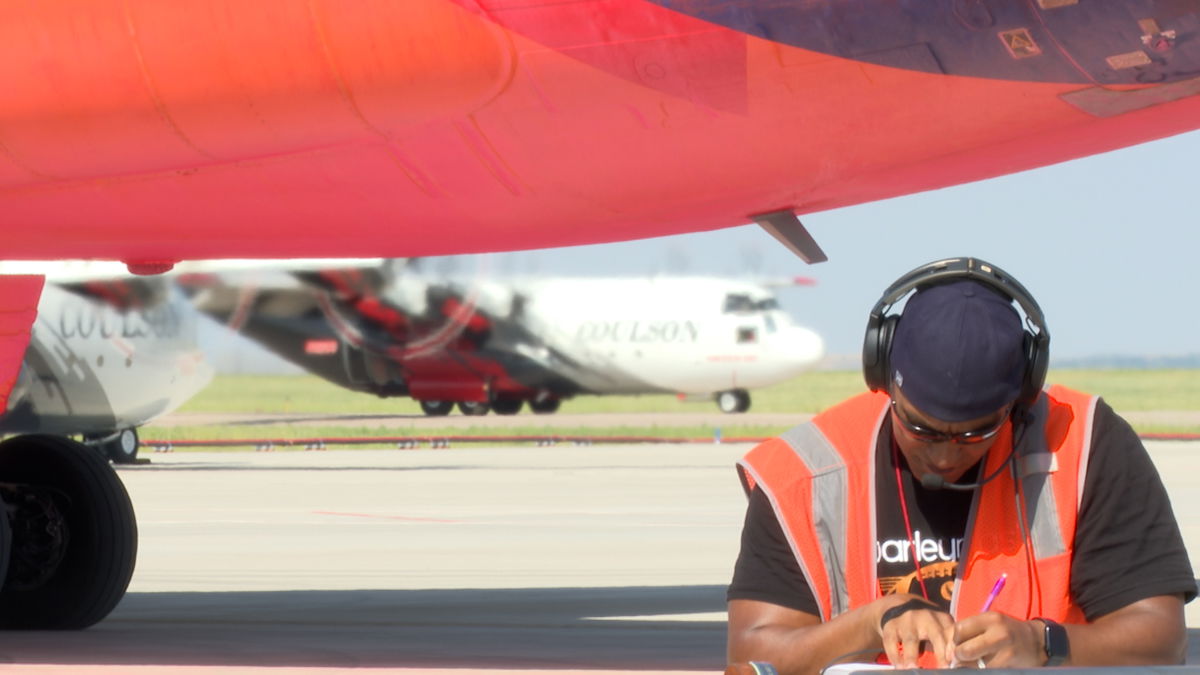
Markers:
point(1128, 391)
point(294, 433)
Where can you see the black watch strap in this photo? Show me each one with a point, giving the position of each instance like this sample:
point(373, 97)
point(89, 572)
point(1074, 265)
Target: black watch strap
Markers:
point(906, 607)
point(1056, 642)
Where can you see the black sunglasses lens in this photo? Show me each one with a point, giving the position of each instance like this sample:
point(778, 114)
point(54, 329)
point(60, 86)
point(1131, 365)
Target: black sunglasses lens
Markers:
point(927, 435)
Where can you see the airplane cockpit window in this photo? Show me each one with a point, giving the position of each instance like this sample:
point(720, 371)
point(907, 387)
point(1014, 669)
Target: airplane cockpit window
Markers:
point(770, 321)
point(766, 304)
point(740, 303)
point(747, 335)
point(737, 303)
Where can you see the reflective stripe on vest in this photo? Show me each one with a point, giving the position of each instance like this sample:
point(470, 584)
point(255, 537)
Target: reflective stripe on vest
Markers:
point(819, 478)
point(1051, 461)
point(828, 523)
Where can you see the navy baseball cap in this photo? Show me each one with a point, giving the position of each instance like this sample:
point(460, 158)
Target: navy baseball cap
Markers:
point(959, 351)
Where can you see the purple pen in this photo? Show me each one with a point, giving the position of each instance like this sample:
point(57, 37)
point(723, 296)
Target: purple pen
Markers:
point(999, 586)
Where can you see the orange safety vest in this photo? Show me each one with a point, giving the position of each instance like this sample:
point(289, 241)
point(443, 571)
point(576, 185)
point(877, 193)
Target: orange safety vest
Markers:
point(820, 479)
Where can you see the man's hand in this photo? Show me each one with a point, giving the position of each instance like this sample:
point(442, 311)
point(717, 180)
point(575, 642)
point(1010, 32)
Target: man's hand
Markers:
point(998, 640)
point(905, 621)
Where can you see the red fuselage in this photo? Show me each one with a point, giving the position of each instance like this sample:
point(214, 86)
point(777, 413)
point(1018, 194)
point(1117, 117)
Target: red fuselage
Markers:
point(147, 131)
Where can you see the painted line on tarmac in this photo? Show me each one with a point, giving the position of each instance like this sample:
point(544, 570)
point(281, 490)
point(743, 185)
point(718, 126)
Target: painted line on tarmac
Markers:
point(380, 516)
point(719, 617)
point(125, 669)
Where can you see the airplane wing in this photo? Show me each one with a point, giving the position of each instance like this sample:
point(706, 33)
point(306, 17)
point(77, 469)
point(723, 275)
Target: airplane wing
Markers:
point(217, 128)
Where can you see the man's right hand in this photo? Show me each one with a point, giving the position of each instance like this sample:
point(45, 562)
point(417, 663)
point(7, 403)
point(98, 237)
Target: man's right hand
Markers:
point(905, 621)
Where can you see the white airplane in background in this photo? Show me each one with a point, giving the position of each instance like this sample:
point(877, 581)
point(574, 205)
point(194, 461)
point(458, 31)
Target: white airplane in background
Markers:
point(501, 344)
point(107, 354)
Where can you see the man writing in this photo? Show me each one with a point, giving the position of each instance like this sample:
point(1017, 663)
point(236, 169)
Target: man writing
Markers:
point(884, 524)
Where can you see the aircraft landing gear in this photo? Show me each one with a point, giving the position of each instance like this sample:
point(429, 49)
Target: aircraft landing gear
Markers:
point(545, 406)
point(507, 405)
point(733, 400)
point(475, 408)
point(437, 408)
point(74, 535)
point(5, 537)
point(119, 446)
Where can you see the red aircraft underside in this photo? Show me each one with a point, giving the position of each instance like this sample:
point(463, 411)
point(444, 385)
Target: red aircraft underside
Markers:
point(152, 132)
point(147, 131)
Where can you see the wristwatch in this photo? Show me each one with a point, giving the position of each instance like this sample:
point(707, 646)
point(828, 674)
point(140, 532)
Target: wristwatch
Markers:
point(1055, 642)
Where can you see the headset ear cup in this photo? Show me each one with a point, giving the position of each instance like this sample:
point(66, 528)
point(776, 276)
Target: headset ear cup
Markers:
point(870, 352)
point(1037, 362)
point(885, 351)
point(877, 346)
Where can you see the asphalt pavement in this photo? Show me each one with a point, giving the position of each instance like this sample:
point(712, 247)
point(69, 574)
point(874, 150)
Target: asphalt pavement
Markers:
point(551, 558)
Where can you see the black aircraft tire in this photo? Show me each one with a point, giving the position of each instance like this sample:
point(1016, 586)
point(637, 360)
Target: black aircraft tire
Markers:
point(474, 408)
point(124, 448)
point(505, 405)
point(5, 541)
point(727, 401)
point(436, 408)
point(102, 547)
point(546, 406)
point(743, 397)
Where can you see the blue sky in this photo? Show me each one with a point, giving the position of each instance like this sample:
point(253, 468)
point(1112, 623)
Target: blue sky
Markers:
point(1107, 244)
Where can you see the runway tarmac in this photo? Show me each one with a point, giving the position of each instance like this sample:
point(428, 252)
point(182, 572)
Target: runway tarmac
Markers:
point(548, 558)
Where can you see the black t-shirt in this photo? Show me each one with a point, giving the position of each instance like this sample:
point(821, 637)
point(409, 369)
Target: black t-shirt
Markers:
point(938, 519)
point(1127, 542)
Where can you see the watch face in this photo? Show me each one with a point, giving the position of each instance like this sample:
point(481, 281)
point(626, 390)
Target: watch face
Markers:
point(1058, 646)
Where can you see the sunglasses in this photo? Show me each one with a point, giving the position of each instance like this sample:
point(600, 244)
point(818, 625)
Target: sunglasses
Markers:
point(927, 435)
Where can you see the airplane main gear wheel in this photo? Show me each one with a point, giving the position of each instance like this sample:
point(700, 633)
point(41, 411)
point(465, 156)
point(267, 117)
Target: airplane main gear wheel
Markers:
point(5, 539)
point(437, 408)
point(507, 405)
point(545, 406)
point(74, 535)
point(120, 446)
point(733, 401)
point(473, 407)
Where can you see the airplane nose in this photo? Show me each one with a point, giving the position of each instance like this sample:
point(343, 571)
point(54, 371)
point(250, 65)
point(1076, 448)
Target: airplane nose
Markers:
point(803, 347)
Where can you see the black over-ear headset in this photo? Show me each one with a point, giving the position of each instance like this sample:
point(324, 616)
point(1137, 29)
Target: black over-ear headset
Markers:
point(881, 327)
